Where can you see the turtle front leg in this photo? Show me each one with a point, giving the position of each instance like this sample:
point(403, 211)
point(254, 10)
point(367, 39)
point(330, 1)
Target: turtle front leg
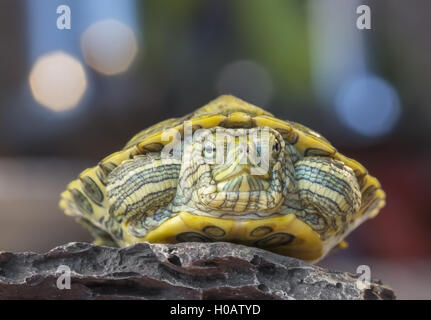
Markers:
point(140, 186)
point(327, 189)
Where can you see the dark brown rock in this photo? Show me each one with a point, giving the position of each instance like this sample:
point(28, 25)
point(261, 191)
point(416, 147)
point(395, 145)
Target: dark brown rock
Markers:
point(182, 271)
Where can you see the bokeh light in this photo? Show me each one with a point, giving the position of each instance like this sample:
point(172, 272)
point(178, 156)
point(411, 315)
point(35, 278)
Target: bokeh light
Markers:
point(368, 105)
point(58, 81)
point(246, 79)
point(109, 46)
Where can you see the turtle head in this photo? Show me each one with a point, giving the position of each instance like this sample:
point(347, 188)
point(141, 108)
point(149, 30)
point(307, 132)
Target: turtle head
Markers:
point(236, 171)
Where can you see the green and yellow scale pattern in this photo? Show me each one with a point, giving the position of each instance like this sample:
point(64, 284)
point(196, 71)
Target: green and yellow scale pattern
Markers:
point(86, 197)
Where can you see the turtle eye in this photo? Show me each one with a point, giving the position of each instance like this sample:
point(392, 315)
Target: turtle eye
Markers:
point(276, 147)
point(209, 151)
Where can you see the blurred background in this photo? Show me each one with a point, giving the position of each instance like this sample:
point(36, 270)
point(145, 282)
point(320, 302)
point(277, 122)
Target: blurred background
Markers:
point(70, 96)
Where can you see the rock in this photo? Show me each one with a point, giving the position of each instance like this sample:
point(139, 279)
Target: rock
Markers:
point(182, 271)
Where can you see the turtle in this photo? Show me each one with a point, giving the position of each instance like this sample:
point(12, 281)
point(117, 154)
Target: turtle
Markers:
point(229, 171)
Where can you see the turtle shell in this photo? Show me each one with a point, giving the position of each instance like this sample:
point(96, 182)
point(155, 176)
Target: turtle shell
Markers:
point(85, 197)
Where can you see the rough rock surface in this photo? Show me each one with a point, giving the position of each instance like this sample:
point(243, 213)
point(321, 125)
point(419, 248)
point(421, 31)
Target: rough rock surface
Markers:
point(182, 271)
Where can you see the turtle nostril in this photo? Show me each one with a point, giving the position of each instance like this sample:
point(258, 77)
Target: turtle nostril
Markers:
point(276, 147)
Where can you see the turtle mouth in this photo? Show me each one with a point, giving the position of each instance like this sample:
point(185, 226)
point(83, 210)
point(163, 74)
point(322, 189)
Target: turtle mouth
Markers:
point(240, 178)
point(241, 202)
point(242, 182)
point(241, 171)
point(240, 194)
point(237, 173)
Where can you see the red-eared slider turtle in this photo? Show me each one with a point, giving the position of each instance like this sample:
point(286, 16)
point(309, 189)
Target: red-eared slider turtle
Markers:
point(229, 171)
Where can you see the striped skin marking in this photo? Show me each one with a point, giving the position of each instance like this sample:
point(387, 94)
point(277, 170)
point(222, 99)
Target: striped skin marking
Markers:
point(318, 221)
point(149, 221)
point(329, 186)
point(141, 185)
